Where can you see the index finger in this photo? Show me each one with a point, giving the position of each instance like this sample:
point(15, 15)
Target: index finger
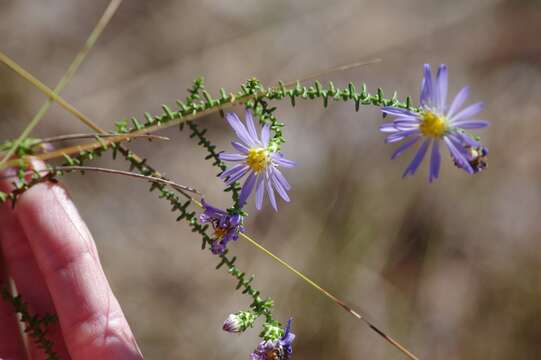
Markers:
point(92, 322)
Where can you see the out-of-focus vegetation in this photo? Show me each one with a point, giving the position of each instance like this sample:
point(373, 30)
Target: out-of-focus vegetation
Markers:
point(452, 269)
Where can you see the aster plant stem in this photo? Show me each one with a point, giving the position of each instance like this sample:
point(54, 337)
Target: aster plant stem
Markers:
point(262, 110)
point(252, 94)
point(260, 157)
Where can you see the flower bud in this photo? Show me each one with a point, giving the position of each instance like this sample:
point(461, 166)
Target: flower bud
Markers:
point(232, 324)
point(236, 323)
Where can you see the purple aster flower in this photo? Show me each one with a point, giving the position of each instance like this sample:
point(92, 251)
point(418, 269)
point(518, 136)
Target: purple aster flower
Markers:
point(258, 159)
point(226, 226)
point(437, 122)
point(275, 349)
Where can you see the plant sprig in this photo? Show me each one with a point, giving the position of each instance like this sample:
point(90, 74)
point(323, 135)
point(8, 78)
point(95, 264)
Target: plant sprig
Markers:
point(252, 95)
point(36, 326)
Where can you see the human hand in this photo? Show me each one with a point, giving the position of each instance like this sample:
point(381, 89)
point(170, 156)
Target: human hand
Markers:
point(49, 253)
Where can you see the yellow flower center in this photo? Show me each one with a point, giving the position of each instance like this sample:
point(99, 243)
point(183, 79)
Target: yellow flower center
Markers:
point(433, 125)
point(272, 355)
point(219, 233)
point(258, 159)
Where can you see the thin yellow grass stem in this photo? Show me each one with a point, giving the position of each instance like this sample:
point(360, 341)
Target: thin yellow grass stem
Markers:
point(102, 23)
point(340, 68)
point(336, 300)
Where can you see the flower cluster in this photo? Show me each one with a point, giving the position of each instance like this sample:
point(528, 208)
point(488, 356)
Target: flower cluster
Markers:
point(435, 123)
point(258, 160)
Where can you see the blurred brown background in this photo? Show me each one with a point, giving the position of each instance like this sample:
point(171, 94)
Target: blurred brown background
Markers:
point(452, 269)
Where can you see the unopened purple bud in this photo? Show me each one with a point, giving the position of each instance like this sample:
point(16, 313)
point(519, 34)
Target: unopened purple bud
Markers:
point(236, 323)
point(232, 324)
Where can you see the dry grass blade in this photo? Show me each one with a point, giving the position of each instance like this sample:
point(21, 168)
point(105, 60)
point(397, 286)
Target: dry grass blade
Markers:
point(44, 89)
point(335, 69)
point(75, 149)
point(94, 136)
point(102, 23)
point(82, 169)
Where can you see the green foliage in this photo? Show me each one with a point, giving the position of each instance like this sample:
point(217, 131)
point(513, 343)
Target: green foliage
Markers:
point(246, 319)
point(272, 331)
point(196, 92)
point(26, 147)
point(35, 326)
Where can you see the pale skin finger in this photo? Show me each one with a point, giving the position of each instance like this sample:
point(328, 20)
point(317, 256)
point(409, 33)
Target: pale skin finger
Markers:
point(92, 321)
point(29, 281)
